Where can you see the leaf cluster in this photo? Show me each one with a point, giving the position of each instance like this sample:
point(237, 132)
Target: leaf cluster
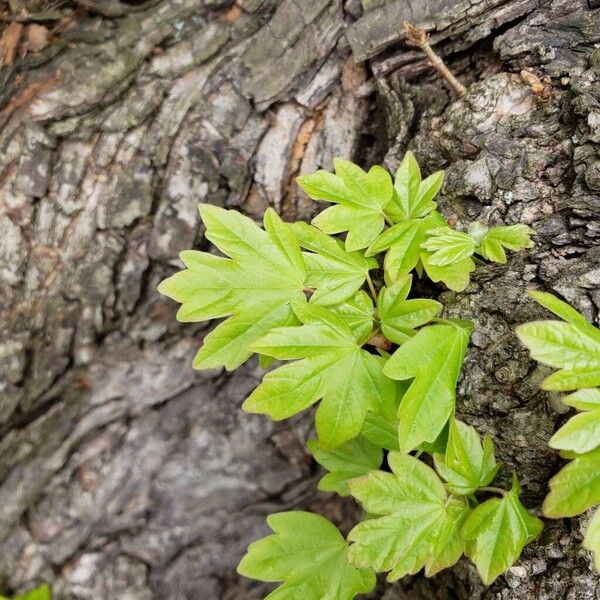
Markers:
point(338, 324)
point(573, 347)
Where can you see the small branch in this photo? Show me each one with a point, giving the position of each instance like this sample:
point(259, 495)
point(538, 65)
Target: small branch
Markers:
point(420, 38)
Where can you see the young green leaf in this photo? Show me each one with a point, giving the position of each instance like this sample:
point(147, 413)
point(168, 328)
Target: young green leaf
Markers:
point(455, 276)
point(499, 530)
point(398, 316)
point(336, 273)
point(360, 200)
point(309, 555)
point(358, 313)
point(433, 357)
point(265, 273)
point(403, 244)
point(413, 198)
point(352, 459)
point(565, 311)
point(330, 352)
point(413, 511)
point(448, 246)
point(575, 488)
point(584, 399)
point(591, 541)
point(511, 237)
point(42, 592)
point(568, 347)
point(466, 465)
point(580, 434)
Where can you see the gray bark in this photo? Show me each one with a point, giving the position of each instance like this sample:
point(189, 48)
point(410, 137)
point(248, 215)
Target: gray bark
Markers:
point(124, 474)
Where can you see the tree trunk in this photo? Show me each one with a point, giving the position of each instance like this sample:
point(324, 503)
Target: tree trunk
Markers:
point(123, 473)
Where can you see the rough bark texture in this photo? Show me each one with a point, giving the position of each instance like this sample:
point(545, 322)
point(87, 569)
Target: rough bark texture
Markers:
point(124, 474)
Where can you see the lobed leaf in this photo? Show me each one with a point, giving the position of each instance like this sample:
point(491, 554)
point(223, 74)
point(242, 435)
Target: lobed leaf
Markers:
point(335, 273)
point(254, 288)
point(352, 459)
point(329, 351)
point(467, 464)
point(433, 358)
point(499, 529)
point(412, 516)
point(360, 200)
point(511, 237)
point(398, 316)
point(447, 246)
point(564, 346)
point(309, 555)
point(413, 198)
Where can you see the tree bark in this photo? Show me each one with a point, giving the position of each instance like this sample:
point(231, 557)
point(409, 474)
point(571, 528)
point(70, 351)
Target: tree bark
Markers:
point(123, 473)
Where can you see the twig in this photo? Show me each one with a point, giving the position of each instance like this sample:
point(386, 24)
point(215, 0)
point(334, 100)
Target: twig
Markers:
point(420, 38)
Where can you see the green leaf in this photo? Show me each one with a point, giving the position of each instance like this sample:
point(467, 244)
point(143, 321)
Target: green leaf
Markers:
point(438, 445)
point(584, 399)
point(42, 592)
point(381, 431)
point(407, 183)
point(254, 287)
point(428, 189)
point(381, 423)
point(591, 541)
point(336, 273)
point(466, 465)
point(455, 276)
point(413, 509)
point(330, 353)
point(352, 459)
point(571, 348)
point(448, 246)
point(564, 311)
point(449, 545)
point(309, 555)
point(398, 316)
point(433, 357)
point(511, 237)
point(360, 200)
point(413, 198)
point(404, 250)
point(575, 488)
point(580, 434)
point(358, 313)
point(499, 530)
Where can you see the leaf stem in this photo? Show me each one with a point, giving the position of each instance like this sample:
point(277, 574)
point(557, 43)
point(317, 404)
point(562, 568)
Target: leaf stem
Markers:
point(372, 287)
point(420, 38)
point(492, 489)
point(388, 220)
point(379, 341)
